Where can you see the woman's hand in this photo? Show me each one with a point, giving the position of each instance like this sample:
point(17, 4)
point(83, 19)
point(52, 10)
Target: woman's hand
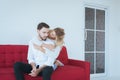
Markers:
point(40, 48)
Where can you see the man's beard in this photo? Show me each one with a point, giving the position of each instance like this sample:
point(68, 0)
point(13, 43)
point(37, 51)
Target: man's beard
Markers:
point(42, 38)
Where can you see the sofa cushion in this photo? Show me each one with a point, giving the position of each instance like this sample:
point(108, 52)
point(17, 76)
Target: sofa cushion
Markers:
point(28, 77)
point(63, 57)
point(7, 73)
point(6, 70)
point(69, 72)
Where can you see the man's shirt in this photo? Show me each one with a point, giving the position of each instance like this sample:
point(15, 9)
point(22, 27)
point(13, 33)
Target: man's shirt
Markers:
point(40, 58)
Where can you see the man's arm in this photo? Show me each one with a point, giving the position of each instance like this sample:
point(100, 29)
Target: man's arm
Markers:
point(31, 58)
point(37, 71)
point(30, 53)
point(33, 67)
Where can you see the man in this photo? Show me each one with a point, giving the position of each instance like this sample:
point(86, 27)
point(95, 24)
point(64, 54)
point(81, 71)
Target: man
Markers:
point(37, 60)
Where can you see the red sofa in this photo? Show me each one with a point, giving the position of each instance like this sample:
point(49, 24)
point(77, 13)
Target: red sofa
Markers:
point(73, 69)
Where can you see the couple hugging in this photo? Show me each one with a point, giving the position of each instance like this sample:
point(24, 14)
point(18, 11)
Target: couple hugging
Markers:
point(42, 53)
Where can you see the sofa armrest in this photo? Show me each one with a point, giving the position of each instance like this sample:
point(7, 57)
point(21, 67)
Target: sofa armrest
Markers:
point(80, 63)
point(84, 64)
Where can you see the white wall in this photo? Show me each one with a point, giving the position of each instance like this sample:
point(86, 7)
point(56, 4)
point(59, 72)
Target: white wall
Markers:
point(19, 19)
point(114, 40)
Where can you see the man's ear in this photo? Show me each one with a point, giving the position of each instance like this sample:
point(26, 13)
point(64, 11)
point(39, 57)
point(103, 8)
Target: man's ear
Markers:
point(38, 31)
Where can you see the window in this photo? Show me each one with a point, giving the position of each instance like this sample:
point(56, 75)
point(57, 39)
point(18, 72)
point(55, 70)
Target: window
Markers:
point(95, 39)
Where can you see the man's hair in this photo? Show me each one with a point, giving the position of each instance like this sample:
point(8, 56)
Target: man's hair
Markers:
point(41, 25)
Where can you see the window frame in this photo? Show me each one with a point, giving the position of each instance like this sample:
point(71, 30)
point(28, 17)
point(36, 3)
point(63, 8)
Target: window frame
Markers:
point(101, 7)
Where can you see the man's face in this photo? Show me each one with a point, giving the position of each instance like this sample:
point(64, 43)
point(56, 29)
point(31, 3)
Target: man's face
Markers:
point(43, 33)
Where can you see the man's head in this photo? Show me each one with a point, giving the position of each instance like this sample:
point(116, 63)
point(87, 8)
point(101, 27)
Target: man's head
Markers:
point(43, 30)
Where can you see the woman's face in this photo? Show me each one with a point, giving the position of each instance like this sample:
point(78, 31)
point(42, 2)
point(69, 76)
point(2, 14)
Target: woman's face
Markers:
point(52, 35)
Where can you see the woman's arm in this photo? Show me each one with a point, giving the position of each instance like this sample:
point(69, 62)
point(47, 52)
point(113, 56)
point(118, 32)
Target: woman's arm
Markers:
point(40, 48)
point(48, 46)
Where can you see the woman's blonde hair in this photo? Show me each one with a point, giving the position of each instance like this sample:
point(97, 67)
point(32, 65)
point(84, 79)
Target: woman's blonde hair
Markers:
point(59, 35)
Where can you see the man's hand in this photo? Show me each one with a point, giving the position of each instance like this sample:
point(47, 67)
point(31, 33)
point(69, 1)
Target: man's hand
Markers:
point(33, 70)
point(34, 73)
point(40, 48)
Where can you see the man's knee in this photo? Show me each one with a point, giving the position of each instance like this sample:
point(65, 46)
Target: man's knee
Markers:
point(17, 65)
point(48, 70)
point(46, 73)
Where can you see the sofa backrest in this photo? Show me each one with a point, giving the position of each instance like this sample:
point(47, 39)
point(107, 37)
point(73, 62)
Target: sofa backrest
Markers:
point(63, 56)
point(9, 54)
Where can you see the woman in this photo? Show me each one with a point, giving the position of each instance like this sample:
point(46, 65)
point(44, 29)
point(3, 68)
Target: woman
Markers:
point(58, 36)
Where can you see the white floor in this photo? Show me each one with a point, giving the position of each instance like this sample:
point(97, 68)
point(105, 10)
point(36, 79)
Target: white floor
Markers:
point(110, 78)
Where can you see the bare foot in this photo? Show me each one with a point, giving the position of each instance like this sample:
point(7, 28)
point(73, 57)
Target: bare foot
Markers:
point(58, 63)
